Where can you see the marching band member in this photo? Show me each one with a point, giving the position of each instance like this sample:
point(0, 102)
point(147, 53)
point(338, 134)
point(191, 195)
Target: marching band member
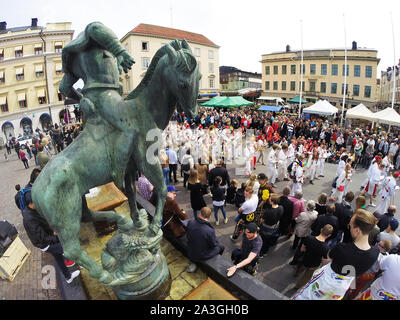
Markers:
point(312, 166)
point(283, 163)
point(389, 185)
point(373, 181)
point(297, 174)
point(272, 164)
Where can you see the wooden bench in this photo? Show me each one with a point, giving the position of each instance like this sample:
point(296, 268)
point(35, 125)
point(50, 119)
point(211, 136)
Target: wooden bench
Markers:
point(241, 284)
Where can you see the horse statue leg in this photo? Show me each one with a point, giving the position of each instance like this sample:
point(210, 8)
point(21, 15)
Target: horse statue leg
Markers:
point(131, 190)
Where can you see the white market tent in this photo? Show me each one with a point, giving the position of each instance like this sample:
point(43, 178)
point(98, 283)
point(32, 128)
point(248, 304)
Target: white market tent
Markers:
point(387, 116)
point(321, 107)
point(360, 112)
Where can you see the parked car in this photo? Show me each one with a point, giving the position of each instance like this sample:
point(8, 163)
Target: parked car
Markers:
point(25, 139)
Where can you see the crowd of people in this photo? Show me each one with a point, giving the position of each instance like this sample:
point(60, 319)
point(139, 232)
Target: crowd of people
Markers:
point(336, 243)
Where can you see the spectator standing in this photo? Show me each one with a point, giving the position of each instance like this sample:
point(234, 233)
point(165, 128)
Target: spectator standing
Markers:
point(287, 216)
point(303, 224)
point(218, 197)
point(389, 233)
point(164, 160)
point(23, 158)
point(42, 158)
point(325, 219)
point(173, 163)
point(384, 220)
point(196, 192)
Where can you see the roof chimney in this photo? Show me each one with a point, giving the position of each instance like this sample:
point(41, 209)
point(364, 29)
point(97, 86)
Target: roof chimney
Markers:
point(354, 46)
point(287, 48)
point(34, 22)
point(3, 25)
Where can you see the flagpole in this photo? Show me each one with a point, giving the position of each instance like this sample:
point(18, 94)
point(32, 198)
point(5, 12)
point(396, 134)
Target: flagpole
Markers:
point(394, 64)
point(345, 71)
point(301, 68)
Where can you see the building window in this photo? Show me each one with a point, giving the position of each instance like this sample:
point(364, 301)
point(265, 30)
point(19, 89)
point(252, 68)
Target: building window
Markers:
point(39, 71)
point(334, 88)
point(301, 85)
point(368, 72)
point(3, 104)
point(313, 68)
point(210, 54)
point(367, 92)
point(275, 85)
point(347, 70)
point(58, 46)
point(2, 77)
point(347, 88)
point(1, 54)
point(283, 85)
point(357, 70)
point(267, 71)
point(334, 70)
point(266, 85)
point(22, 100)
point(145, 46)
point(284, 69)
point(292, 85)
point(60, 96)
point(211, 83)
point(58, 68)
point(19, 52)
point(324, 69)
point(323, 87)
point(38, 49)
point(211, 67)
point(19, 72)
point(197, 52)
point(356, 90)
point(42, 100)
point(275, 69)
point(293, 69)
point(303, 68)
point(145, 63)
point(312, 86)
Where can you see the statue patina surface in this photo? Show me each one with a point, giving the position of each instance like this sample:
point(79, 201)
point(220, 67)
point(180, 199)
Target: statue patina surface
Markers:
point(112, 147)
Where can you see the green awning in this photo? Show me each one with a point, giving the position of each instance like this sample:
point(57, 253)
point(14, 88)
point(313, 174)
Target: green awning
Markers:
point(227, 102)
point(297, 100)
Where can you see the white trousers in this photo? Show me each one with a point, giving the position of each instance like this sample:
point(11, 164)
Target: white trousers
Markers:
point(321, 166)
point(296, 186)
point(383, 205)
point(272, 174)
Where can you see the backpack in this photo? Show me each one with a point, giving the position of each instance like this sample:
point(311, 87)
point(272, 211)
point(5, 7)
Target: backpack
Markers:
point(21, 197)
point(289, 169)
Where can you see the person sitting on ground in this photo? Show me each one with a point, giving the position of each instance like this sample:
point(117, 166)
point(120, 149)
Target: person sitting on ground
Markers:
point(43, 237)
point(389, 233)
point(314, 248)
point(202, 241)
point(247, 256)
point(172, 224)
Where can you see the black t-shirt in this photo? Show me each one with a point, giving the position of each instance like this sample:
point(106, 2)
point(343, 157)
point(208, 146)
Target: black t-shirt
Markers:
point(315, 250)
point(348, 254)
point(271, 215)
point(251, 246)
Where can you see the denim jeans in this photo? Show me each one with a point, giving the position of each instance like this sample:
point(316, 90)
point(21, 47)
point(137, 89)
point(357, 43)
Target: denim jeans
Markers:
point(216, 208)
point(57, 252)
point(166, 175)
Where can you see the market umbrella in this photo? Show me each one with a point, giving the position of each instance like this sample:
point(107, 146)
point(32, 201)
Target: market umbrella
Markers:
point(387, 116)
point(227, 102)
point(321, 107)
point(297, 100)
point(213, 101)
point(270, 108)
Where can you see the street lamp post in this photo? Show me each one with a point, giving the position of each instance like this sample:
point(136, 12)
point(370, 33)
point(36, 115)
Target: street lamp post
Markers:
point(45, 71)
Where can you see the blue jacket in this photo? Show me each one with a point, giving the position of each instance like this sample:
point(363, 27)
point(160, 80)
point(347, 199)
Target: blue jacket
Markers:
point(202, 241)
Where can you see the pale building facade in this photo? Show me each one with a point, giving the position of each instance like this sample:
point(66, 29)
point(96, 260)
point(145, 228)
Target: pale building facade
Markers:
point(387, 84)
point(323, 75)
point(144, 41)
point(30, 73)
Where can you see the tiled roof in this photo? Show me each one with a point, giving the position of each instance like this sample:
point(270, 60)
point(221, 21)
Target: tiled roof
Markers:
point(19, 29)
point(172, 33)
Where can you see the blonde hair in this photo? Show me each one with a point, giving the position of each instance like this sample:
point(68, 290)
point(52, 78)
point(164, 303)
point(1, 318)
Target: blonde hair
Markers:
point(252, 180)
point(193, 176)
point(360, 201)
point(364, 220)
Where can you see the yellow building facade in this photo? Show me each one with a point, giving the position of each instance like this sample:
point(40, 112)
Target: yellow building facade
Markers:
point(323, 75)
point(30, 73)
point(144, 41)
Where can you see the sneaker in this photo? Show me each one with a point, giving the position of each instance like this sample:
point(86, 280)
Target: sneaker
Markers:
point(217, 223)
point(226, 220)
point(69, 263)
point(191, 268)
point(73, 276)
point(311, 182)
point(372, 205)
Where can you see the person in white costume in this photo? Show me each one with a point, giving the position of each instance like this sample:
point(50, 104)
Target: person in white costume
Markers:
point(312, 165)
point(291, 153)
point(388, 188)
point(297, 174)
point(374, 178)
point(272, 164)
point(323, 155)
point(341, 183)
point(283, 163)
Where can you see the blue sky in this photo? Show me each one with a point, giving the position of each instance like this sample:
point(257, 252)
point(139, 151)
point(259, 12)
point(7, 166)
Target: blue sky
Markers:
point(243, 29)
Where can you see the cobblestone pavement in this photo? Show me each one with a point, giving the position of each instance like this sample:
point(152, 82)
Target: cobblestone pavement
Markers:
point(273, 269)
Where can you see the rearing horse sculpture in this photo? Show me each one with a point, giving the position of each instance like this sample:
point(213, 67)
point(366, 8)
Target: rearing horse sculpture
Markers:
point(103, 153)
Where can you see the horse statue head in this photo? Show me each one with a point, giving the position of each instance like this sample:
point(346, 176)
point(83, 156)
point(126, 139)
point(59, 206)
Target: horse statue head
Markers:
point(183, 76)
